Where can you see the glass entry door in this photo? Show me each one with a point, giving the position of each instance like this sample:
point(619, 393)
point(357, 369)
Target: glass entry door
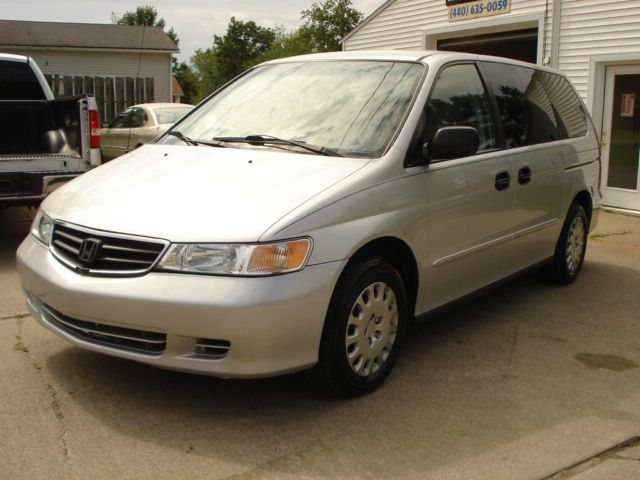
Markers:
point(621, 138)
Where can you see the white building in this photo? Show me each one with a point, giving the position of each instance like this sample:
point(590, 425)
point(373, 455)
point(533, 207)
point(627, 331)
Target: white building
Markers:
point(595, 42)
point(121, 65)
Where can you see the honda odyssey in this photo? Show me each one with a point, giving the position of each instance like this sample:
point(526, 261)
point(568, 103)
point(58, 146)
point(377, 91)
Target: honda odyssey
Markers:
point(304, 214)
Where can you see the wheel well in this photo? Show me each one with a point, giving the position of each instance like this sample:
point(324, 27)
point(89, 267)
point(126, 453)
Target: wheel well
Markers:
point(584, 198)
point(398, 253)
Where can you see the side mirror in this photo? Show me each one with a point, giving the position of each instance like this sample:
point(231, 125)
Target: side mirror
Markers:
point(452, 142)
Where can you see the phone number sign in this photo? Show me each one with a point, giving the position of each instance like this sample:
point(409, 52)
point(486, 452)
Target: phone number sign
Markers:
point(468, 9)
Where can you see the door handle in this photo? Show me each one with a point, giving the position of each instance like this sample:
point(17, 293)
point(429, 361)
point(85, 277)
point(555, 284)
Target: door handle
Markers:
point(503, 180)
point(524, 175)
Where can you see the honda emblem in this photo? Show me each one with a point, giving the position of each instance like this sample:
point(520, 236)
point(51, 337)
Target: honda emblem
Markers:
point(88, 250)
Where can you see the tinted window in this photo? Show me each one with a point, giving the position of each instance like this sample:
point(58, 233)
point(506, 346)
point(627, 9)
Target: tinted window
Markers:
point(18, 82)
point(566, 104)
point(120, 120)
point(171, 114)
point(137, 118)
point(528, 117)
point(352, 107)
point(459, 99)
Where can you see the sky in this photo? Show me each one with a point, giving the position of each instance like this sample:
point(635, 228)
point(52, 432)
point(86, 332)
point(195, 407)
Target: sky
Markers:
point(195, 21)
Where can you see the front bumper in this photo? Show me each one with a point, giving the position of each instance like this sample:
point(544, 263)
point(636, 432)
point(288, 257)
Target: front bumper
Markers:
point(273, 324)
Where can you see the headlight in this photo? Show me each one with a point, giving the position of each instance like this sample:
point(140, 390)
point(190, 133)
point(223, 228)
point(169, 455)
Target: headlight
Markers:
point(237, 259)
point(41, 227)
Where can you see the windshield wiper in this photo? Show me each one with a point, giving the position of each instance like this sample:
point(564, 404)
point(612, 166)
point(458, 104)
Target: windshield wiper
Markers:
point(182, 137)
point(191, 141)
point(269, 139)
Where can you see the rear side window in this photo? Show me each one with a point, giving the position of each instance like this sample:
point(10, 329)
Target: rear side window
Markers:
point(459, 99)
point(527, 113)
point(18, 82)
point(121, 120)
point(566, 104)
point(171, 114)
point(137, 118)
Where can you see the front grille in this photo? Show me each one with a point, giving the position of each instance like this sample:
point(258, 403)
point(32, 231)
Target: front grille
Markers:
point(210, 348)
point(138, 341)
point(108, 254)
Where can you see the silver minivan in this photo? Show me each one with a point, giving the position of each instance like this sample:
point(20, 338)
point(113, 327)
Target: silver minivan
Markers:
point(305, 214)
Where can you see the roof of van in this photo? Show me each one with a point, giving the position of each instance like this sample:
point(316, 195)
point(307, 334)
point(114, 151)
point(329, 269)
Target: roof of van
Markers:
point(397, 55)
point(404, 55)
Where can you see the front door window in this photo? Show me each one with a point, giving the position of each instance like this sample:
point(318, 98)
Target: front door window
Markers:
point(625, 133)
point(459, 99)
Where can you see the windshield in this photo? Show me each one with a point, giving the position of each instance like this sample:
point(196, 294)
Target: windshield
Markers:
point(171, 114)
point(350, 107)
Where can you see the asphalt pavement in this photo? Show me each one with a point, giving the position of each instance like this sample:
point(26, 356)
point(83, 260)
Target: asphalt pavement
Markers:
point(530, 381)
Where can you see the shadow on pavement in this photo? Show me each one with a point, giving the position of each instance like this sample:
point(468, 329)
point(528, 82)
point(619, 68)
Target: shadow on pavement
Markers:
point(494, 371)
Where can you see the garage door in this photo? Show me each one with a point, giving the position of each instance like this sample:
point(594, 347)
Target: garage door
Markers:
point(516, 44)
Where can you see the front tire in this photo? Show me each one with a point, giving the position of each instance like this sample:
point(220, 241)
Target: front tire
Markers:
point(364, 329)
point(571, 248)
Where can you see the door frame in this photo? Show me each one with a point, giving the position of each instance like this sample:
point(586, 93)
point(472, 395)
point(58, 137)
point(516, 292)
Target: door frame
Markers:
point(598, 65)
point(612, 196)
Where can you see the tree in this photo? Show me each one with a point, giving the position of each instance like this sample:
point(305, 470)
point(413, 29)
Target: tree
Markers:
point(240, 46)
point(246, 44)
point(142, 15)
point(231, 54)
point(327, 23)
point(286, 44)
point(148, 16)
point(188, 81)
point(204, 65)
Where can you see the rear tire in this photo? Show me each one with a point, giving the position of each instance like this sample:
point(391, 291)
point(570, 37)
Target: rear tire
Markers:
point(363, 330)
point(571, 248)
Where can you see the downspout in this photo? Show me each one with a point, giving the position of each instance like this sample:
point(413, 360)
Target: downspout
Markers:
point(555, 33)
point(170, 79)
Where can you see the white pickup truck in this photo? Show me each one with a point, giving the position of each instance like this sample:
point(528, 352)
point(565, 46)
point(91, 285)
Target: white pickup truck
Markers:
point(44, 142)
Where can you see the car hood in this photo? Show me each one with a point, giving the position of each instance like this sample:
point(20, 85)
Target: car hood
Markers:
point(196, 194)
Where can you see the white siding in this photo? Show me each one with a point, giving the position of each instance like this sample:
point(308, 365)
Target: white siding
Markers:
point(587, 27)
point(596, 27)
point(106, 64)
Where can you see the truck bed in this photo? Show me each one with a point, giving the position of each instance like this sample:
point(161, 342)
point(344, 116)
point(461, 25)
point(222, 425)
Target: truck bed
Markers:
point(44, 141)
point(40, 146)
point(40, 127)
